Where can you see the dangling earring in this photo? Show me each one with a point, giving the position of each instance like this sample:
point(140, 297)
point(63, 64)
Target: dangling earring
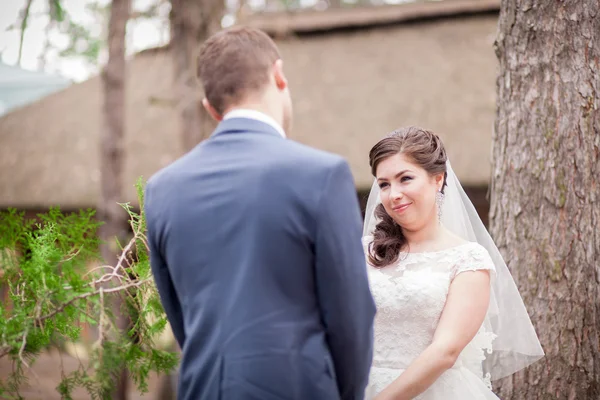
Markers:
point(439, 201)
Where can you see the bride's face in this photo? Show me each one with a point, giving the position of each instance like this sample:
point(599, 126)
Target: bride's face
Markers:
point(408, 192)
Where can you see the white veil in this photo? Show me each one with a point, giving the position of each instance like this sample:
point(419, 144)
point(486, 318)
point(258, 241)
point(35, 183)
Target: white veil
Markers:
point(516, 345)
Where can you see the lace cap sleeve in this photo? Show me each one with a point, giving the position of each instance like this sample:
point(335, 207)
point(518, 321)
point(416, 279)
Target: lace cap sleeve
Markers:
point(474, 258)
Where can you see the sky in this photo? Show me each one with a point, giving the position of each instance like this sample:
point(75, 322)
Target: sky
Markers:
point(140, 35)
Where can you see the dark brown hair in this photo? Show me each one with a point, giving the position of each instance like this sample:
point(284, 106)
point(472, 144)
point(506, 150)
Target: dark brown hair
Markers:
point(426, 150)
point(234, 63)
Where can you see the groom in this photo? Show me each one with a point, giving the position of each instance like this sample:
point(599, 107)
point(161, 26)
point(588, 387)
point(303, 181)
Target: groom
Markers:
point(255, 245)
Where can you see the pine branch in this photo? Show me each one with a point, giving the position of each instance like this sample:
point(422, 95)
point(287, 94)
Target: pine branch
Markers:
point(117, 289)
point(51, 291)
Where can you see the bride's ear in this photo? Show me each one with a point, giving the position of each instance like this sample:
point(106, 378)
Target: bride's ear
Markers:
point(439, 181)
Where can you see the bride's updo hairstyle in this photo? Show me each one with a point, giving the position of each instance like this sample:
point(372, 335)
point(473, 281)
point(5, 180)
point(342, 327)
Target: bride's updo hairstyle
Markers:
point(425, 149)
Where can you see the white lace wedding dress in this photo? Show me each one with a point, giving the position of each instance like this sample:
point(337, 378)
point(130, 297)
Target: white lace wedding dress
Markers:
point(410, 296)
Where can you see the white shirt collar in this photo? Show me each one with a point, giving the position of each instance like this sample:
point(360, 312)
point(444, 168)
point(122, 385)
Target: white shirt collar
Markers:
point(256, 115)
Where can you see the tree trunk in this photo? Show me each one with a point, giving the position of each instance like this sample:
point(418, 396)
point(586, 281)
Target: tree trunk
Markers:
point(336, 3)
point(111, 147)
point(192, 21)
point(545, 206)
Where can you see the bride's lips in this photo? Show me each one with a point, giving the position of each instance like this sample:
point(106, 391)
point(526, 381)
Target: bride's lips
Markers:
point(401, 208)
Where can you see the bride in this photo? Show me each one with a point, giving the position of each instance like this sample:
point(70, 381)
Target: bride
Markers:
point(449, 316)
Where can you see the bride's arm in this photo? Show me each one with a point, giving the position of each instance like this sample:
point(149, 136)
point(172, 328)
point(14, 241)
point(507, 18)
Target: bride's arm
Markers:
point(464, 312)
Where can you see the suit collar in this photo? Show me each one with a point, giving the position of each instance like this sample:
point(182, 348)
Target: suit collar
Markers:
point(254, 114)
point(238, 125)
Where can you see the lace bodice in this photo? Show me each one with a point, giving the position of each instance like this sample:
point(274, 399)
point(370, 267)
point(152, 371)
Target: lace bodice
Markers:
point(410, 297)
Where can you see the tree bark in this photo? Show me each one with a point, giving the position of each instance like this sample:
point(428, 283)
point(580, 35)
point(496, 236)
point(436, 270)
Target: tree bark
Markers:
point(191, 22)
point(111, 147)
point(545, 206)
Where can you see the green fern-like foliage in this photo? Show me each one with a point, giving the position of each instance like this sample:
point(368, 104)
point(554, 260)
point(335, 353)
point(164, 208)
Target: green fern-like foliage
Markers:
point(52, 291)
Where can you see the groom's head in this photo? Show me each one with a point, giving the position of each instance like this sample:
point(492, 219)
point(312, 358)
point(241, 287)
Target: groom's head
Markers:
point(241, 68)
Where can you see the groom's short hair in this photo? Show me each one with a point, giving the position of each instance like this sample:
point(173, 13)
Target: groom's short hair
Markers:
point(233, 63)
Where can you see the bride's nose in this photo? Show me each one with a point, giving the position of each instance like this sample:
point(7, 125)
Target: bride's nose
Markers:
point(396, 193)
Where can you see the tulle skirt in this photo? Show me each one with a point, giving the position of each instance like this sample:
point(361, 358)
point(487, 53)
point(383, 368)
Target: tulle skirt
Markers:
point(458, 383)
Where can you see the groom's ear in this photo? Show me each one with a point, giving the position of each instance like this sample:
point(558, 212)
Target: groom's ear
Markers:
point(280, 79)
point(211, 110)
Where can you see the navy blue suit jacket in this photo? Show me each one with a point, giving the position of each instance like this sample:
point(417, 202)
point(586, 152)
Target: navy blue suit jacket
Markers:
point(256, 251)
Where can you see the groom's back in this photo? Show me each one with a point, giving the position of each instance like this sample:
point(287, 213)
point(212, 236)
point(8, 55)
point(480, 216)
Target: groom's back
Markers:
point(236, 221)
point(255, 244)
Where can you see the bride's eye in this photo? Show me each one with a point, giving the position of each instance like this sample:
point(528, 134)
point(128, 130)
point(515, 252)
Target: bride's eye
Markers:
point(406, 179)
point(382, 185)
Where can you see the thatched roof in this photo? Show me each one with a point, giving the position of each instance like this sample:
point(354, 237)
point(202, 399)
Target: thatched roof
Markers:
point(311, 21)
point(349, 87)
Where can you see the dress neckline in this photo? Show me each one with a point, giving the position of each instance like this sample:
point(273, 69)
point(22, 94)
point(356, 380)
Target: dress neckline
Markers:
point(438, 251)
